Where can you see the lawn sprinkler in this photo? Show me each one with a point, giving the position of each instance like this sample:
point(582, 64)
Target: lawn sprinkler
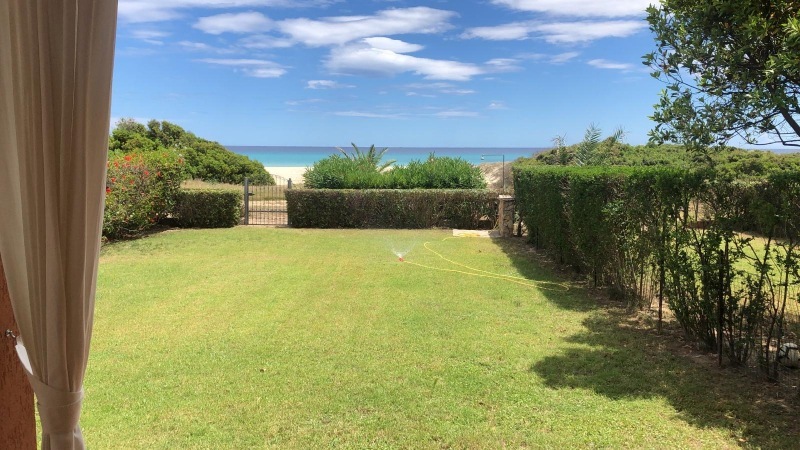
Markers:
point(401, 253)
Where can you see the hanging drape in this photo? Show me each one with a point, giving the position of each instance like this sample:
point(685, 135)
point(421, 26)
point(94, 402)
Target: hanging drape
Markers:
point(56, 59)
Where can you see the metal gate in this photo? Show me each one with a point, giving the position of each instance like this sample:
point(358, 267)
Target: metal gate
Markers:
point(266, 204)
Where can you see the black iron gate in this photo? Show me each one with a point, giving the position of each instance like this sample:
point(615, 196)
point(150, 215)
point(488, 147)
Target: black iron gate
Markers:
point(266, 204)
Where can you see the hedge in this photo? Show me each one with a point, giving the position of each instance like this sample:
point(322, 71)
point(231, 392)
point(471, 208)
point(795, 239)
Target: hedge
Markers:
point(383, 208)
point(674, 235)
point(208, 208)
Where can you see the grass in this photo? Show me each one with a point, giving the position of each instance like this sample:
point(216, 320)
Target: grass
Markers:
point(201, 184)
point(286, 338)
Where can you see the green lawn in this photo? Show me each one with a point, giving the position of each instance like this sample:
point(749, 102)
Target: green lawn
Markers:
point(284, 338)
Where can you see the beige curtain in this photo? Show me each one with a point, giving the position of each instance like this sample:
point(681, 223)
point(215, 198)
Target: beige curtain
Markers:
point(56, 59)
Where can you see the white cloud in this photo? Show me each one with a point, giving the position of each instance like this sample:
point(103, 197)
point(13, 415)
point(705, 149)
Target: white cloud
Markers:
point(260, 42)
point(150, 36)
point(441, 87)
point(343, 29)
point(257, 68)
point(562, 58)
point(246, 22)
point(502, 65)
point(558, 32)
point(370, 115)
point(161, 10)
point(497, 105)
point(556, 59)
point(417, 94)
point(361, 58)
point(203, 47)
point(611, 65)
point(307, 101)
point(459, 91)
point(453, 113)
point(574, 32)
point(507, 32)
point(581, 8)
point(384, 43)
point(326, 84)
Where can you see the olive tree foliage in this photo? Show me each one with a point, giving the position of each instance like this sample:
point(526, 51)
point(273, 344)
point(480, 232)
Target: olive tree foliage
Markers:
point(731, 68)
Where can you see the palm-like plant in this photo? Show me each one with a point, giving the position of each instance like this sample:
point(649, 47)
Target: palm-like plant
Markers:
point(370, 158)
point(586, 152)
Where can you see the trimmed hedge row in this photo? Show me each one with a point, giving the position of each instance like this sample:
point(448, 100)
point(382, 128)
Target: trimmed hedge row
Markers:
point(382, 208)
point(674, 235)
point(208, 208)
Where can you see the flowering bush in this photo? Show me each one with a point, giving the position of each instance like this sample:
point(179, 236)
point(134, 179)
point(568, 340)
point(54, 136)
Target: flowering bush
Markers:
point(141, 190)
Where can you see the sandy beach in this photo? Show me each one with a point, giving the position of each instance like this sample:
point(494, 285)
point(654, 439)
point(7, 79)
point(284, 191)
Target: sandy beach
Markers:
point(491, 173)
point(295, 173)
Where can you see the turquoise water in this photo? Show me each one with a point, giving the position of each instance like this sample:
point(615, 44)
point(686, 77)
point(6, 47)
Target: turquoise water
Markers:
point(307, 156)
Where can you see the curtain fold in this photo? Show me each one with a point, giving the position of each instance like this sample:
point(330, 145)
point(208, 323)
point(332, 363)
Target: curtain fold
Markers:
point(56, 62)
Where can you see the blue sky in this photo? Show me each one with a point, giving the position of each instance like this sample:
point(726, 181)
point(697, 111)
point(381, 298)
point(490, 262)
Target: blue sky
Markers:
point(438, 73)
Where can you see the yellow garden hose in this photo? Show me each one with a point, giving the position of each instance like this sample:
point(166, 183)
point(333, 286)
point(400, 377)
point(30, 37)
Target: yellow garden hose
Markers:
point(545, 285)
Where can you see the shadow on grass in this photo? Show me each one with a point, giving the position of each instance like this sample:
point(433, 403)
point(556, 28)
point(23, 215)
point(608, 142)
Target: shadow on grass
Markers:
point(618, 358)
point(536, 267)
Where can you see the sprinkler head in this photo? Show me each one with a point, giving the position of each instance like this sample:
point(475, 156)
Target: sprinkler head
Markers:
point(401, 259)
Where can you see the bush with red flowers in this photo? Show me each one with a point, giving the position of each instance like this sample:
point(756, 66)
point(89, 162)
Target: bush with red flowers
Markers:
point(141, 190)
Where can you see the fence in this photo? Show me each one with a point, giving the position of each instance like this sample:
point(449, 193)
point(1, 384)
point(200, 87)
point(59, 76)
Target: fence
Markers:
point(266, 204)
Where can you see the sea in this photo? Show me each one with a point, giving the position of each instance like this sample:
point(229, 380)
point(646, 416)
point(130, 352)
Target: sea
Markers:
point(273, 156)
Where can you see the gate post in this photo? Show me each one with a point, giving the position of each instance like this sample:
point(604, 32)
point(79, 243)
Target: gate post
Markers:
point(246, 201)
point(289, 184)
point(505, 215)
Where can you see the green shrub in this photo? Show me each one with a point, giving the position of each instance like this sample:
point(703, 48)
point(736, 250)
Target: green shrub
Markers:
point(337, 172)
point(208, 208)
point(205, 160)
point(141, 190)
point(379, 208)
point(436, 173)
point(672, 234)
point(734, 162)
point(211, 161)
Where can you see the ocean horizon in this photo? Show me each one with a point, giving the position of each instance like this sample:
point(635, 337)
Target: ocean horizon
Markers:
point(298, 156)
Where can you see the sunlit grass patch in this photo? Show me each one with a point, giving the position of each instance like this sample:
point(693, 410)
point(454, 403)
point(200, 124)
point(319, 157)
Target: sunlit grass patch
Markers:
point(287, 338)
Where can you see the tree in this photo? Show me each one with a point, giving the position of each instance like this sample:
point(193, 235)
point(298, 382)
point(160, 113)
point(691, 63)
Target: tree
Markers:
point(731, 68)
point(205, 160)
point(129, 136)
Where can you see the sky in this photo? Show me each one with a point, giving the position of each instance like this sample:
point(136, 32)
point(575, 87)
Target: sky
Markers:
point(436, 73)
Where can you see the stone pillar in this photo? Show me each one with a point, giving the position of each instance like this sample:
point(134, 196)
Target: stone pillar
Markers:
point(17, 417)
point(505, 215)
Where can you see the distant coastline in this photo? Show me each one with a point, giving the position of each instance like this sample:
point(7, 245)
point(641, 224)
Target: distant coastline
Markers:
point(287, 156)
